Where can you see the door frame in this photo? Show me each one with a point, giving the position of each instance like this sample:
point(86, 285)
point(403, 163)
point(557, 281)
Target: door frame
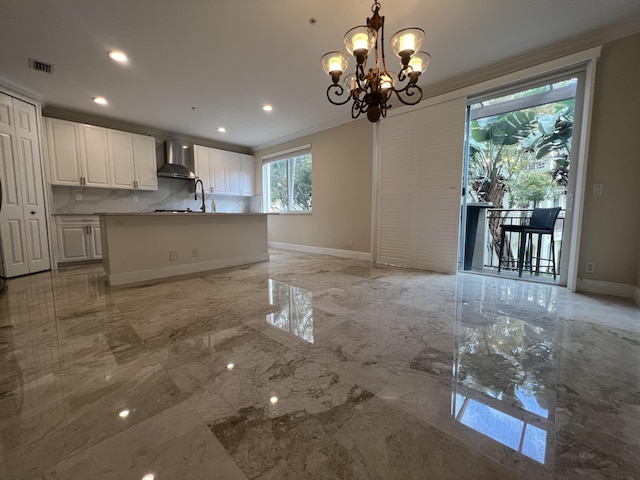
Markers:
point(27, 95)
point(583, 60)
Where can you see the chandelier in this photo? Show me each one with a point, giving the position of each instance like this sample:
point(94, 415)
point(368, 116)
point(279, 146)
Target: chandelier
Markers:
point(370, 90)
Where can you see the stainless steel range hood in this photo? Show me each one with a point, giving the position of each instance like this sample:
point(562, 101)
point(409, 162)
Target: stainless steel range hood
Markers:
point(178, 161)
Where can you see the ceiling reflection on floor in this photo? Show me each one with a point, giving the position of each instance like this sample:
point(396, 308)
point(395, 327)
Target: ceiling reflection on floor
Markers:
point(503, 366)
point(295, 309)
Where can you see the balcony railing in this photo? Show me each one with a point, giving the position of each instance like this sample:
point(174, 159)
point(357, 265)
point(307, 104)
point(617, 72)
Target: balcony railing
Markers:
point(496, 217)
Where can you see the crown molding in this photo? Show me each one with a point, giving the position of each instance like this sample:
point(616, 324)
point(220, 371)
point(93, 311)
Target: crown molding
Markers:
point(8, 84)
point(302, 133)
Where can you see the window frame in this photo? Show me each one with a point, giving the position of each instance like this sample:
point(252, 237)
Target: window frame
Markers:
point(288, 156)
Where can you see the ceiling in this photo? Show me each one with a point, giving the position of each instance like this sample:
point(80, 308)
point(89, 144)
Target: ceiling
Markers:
point(196, 65)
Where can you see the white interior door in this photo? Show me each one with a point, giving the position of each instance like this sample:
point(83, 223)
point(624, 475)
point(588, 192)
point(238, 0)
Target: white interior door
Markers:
point(23, 227)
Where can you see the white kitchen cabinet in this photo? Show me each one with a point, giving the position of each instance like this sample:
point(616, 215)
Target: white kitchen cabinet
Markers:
point(233, 168)
point(23, 223)
point(94, 154)
point(132, 159)
point(220, 171)
point(224, 172)
point(145, 167)
point(203, 162)
point(78, 238)
point(121, 158)
point(78, 154)
point(64, 152)
point(91, 156)
point(247, 175)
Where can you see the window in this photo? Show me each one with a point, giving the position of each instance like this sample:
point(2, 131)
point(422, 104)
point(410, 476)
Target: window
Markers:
point(287, 181)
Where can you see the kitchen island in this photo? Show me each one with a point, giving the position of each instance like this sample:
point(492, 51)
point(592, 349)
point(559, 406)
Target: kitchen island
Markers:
point(146, 246)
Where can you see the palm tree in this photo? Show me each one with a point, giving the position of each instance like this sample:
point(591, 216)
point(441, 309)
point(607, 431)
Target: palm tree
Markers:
point(493, 158)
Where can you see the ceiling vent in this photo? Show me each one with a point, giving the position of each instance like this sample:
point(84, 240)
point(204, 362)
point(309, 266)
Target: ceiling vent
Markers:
point(40, 66)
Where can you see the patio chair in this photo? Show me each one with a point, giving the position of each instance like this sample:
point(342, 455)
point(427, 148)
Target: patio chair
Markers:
point(542, 222)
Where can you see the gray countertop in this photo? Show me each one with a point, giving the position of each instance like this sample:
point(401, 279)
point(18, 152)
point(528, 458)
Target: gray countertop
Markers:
point(189, 214)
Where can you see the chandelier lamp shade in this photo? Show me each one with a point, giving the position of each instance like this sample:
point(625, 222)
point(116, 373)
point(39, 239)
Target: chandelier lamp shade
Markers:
point(370, 90)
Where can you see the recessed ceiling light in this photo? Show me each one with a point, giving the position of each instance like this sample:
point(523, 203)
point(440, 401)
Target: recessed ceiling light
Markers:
point(230, 366)
point(267, 107)
point(100, 100)
point(273, 400)
point(124, 413)
point(118, 56)
point(222, 129)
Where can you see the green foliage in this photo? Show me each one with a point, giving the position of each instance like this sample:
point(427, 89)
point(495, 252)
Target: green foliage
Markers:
point(301, 170)
point(290, 184)
point(495, 153)
point(530, 188)
point(278, 186)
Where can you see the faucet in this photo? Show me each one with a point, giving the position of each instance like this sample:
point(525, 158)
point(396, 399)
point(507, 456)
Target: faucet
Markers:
point(195, 196)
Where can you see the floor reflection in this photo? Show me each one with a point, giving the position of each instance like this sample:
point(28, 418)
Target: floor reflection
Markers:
point(503, 365)
point(295, 314)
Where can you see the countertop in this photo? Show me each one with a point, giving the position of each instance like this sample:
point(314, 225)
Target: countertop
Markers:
point(188, 214)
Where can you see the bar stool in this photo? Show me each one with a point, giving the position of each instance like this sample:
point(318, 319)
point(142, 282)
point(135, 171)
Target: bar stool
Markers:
point(542, 222)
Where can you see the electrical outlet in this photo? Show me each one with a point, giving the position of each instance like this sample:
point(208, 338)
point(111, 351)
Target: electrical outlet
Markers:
point(78, 197)
point(194, 252)
point(134, 198)
point(590, 268)
point(350, 243)
point(597, 189)
point(173, 256)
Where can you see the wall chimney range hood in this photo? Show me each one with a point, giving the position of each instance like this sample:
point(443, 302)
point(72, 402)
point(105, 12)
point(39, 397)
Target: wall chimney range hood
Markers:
point(178, 161)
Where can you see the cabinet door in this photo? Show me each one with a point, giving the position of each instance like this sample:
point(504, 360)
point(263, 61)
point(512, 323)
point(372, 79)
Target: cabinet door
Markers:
point(203, 165)
point(120, 158)
point(247, 175)
point(235, 167)
point(62, 140)
point(144, 157)
point(73, 243)
point(94, 154)
point(220, 171)
point(96, 241)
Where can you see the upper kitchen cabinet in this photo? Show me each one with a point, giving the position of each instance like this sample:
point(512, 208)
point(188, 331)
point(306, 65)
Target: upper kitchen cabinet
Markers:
point(203, 163)
point(132, 158)
point(64, 152)
point(144, 162)
point(121, 158)
point(94, 156)
point(91, 156)
point(224, 172)
point(246, 175)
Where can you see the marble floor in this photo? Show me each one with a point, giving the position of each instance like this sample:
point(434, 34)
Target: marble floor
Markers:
point(315, 367)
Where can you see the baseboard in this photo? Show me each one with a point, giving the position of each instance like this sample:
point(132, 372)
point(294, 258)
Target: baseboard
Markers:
point(184, 269)
point(322, 251)
point(609, 288)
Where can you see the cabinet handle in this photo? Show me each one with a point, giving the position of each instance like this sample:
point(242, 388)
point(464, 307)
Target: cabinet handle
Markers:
point(32, 212)
point(135, 184)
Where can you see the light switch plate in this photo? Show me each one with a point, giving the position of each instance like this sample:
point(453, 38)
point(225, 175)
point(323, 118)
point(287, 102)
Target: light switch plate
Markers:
point(597, 189)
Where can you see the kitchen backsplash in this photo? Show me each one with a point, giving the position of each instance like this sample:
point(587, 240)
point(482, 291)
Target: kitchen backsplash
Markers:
point(171, 194)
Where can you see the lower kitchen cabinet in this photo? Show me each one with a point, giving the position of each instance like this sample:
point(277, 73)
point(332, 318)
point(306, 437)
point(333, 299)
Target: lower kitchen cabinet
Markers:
point(78, 238)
